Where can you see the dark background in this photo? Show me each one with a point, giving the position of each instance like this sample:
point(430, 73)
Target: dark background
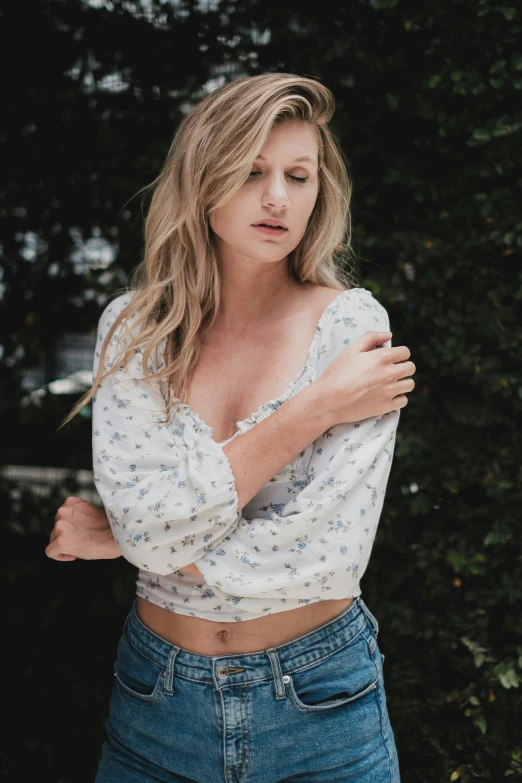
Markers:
point(429, 114)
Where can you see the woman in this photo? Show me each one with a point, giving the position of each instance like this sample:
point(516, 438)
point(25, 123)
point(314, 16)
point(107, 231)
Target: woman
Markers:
point(245, 480)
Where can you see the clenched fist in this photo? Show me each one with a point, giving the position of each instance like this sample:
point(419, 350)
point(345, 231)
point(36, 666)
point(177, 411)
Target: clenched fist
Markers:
point(81, 531)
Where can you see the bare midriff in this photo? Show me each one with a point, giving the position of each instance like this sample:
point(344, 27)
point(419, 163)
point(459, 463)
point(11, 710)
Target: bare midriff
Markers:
point(209, 637)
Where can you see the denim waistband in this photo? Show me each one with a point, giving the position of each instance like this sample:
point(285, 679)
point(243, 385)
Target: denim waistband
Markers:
point(228, 669)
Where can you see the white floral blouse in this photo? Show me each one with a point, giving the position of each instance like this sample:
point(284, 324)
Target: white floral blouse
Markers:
point(171, 500)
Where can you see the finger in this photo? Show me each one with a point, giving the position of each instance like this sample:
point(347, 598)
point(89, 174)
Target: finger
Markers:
point(61, 557)
point(72, 500)
point(54, 551)
point(371, 339)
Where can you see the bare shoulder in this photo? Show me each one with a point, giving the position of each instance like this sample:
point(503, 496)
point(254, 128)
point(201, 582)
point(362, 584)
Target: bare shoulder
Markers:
point(319, 296)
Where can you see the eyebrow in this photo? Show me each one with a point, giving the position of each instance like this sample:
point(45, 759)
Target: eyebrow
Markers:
point(297, 160)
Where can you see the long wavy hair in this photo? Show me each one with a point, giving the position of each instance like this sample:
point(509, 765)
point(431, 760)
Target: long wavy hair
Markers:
point(176, 287)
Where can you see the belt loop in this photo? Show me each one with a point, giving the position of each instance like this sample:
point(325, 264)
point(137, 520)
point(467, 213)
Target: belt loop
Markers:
point(370, 616)
point(278, 674)
point(168, 683)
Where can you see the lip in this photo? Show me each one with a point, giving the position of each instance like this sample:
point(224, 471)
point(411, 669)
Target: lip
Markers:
point(272, 232)
point(271, 222)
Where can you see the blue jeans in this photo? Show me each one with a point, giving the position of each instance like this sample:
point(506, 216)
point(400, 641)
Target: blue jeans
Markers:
point(312, 710)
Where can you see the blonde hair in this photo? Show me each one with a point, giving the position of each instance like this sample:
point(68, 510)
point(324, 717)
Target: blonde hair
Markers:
point(176, 286)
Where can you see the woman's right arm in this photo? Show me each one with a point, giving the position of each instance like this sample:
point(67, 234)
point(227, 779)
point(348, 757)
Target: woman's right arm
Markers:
point(83, 530)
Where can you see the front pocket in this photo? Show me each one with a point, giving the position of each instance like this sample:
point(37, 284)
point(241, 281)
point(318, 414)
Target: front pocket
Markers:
point(344, 677)
point(329, 704)
point(135, 673)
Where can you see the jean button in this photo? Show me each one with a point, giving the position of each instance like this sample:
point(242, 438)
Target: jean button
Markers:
point(286, 678)
point(222, 672)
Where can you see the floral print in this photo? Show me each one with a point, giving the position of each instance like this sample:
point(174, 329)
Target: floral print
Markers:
point(171, 500)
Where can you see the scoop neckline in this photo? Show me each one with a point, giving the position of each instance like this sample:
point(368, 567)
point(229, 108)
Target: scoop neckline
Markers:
point(299, 380)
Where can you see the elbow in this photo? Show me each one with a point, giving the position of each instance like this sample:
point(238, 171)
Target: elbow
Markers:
point(157, 560)
point(148, 560)
point(130, 552)
point(160, 568)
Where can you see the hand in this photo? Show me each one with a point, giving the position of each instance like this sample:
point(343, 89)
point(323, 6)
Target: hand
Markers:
point(82, 531)
point(363, 382)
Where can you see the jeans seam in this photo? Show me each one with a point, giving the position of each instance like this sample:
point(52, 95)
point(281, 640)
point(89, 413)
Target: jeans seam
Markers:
point(246, 740)
point(381, 717)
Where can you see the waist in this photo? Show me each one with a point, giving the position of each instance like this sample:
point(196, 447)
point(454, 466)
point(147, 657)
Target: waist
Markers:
point(206, 637)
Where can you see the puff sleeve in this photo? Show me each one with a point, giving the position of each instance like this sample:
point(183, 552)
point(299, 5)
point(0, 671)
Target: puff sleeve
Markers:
point(317, 546)
point(166, 501)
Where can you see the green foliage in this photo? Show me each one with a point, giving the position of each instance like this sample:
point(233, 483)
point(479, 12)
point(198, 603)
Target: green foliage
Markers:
point(428, 112)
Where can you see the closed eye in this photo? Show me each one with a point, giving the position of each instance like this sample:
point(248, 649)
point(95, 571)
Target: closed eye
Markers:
point(301, 180)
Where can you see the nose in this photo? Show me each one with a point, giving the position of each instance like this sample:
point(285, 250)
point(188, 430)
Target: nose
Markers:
point(275, 194)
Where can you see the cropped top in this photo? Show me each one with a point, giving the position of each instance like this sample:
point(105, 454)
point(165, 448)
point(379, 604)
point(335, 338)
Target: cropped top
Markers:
point(170, 495)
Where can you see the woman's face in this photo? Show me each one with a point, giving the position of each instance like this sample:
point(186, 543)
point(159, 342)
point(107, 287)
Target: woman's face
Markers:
point(279, 187)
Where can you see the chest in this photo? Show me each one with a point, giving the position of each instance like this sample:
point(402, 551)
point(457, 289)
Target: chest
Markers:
point(234, 378)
